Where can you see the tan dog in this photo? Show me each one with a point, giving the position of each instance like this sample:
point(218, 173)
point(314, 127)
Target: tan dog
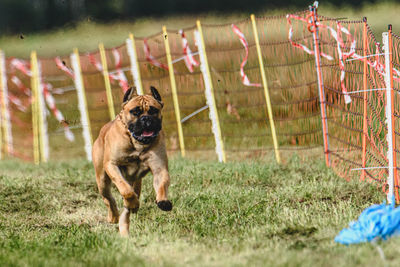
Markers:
point(126, 150)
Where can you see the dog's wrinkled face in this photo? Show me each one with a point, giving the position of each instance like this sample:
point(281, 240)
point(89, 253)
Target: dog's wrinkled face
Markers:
point(142, 115)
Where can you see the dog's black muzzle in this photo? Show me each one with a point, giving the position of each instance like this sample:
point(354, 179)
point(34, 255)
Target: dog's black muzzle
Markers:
point(145, 129)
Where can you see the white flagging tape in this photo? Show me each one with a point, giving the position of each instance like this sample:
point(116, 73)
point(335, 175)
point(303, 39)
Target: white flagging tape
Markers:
point(388, 109)
point(47, 91)
point(298, 45)
point(51, 103)
point(242, 38)
point(190, 61)
point(20, 85)
point(17, 102)
point(120, 75)
point(340, 44)
point(343, 57)
point(134, 66)
point(44, 115)
point(4, 93)
point(21, 65)
point(194, 113)
point(82, 109)
point(61, 66)
point(209, 98)
point(150, 58)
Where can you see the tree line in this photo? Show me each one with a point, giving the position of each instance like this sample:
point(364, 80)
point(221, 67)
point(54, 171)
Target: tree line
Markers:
point(38, 15)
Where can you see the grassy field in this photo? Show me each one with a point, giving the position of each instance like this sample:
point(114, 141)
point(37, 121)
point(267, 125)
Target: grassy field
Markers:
point(88, 34)
point(235, 214)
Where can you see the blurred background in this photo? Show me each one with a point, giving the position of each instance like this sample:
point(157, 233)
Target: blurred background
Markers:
point(52, 27)
point(40, 15)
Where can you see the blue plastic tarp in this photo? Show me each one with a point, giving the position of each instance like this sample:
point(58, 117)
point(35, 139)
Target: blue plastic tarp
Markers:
point(375, 222)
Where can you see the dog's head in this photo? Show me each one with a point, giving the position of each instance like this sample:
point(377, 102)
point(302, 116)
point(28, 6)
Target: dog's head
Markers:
point(142, 114)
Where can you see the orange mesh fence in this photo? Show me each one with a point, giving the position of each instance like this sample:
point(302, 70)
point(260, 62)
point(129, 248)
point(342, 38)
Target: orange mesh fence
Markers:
point(18, 84)
point(291, 82)
point(352, 72)
point(61, 88)
point(346, 120)
point(190, 90)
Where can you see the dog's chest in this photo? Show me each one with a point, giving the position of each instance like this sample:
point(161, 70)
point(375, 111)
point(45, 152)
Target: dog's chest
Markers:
point(133, 166)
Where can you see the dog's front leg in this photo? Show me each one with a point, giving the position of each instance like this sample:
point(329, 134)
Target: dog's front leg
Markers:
point(131, 201)
point(161, 182)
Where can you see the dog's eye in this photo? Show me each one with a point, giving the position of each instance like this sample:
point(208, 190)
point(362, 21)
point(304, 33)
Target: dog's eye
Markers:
point(136, 111)
point(153, 111)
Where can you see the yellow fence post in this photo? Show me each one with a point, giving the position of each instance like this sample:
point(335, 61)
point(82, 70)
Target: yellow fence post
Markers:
point(35, 106)
point(266, 92)
point(82, 103)
point(135, 70)
point(107, 82)
point(43, 142)
point(174, 91)
point(209, 93)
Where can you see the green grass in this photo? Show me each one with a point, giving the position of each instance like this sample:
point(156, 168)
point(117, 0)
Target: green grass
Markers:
point(88, 34)
point(234, 214)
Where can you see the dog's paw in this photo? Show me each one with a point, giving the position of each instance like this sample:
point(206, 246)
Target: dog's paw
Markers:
point(128, 193)
point(132, 204)
point(165, 205)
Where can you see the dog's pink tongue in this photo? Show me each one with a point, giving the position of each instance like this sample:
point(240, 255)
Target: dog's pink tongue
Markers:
point(145, 133)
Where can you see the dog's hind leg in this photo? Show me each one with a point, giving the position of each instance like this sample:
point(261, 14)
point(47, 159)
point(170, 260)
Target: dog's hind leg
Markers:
point(104, 186)
point(124, 221)
point(123, 224)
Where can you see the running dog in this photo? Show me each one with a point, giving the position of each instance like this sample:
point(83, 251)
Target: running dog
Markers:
point(126, 149)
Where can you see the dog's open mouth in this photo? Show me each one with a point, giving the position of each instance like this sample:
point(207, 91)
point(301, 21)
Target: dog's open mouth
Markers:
point(146, 137)
point(147, 133)
point(145, 130)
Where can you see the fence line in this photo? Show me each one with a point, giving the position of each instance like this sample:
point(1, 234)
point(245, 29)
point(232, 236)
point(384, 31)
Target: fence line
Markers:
point(284, 63)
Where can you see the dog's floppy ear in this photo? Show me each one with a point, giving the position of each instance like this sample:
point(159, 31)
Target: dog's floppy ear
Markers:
point(129, 94)
point(156, 95)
